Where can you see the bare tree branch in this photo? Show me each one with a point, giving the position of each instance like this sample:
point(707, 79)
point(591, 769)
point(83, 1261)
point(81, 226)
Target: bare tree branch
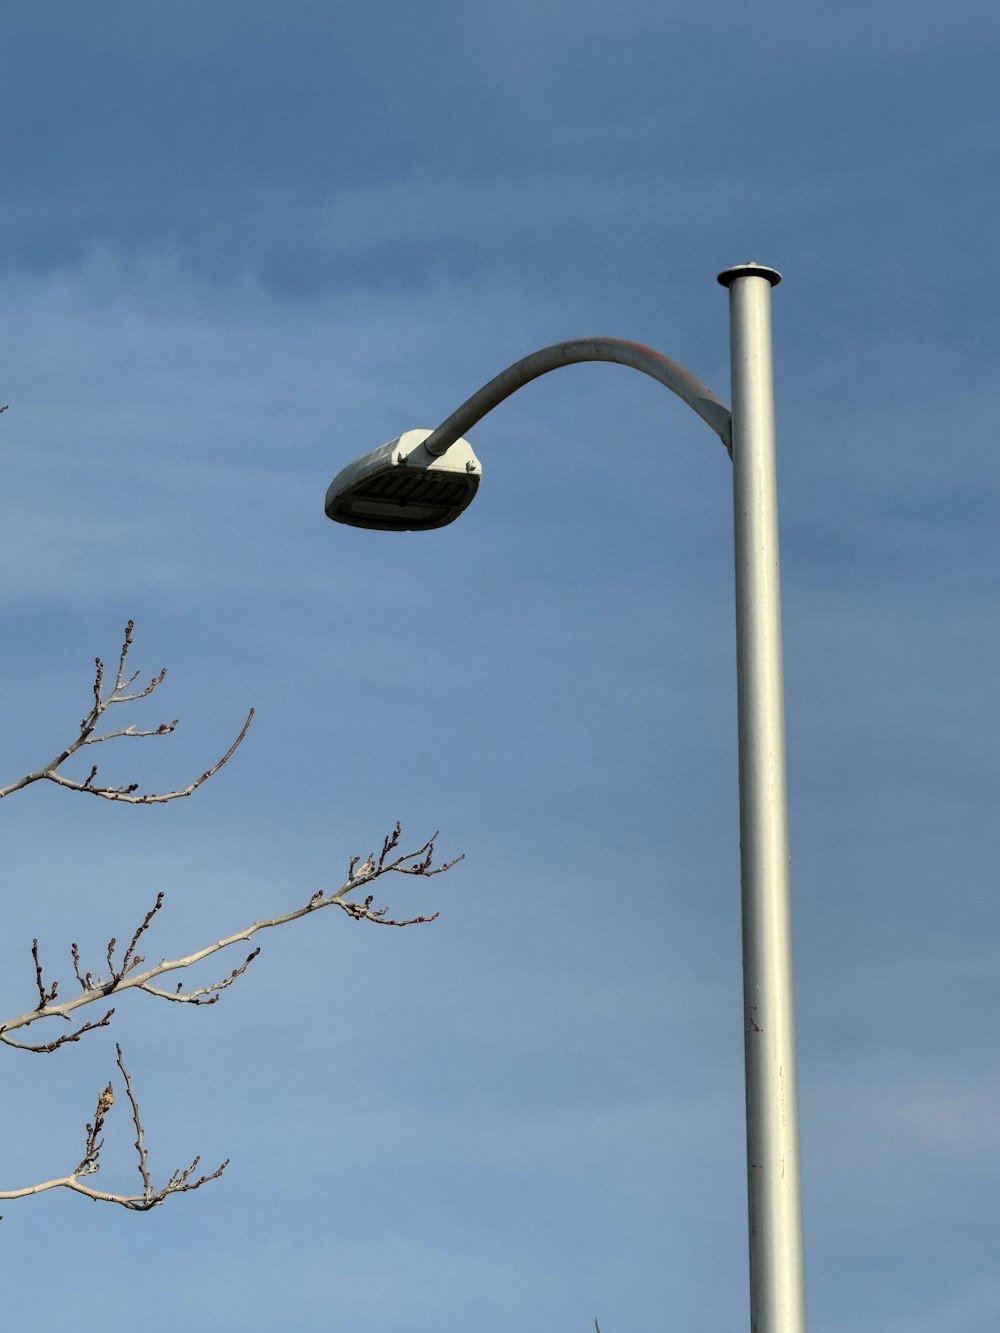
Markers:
point(102, 702)
point(48, 1047)
point(180, 1182)
point(124, 974)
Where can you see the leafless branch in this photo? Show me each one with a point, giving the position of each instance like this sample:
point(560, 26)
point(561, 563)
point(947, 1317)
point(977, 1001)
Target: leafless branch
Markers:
point(180, 1182)
point(119, 694)
point(46, 1048)
point(124, 973)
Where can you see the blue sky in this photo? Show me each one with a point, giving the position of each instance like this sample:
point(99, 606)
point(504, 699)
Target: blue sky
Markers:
point(242, 244)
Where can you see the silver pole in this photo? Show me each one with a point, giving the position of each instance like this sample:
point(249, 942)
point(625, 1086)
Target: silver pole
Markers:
point(777, 1300)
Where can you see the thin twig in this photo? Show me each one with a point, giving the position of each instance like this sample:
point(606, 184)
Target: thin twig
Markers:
point(44, 996)
point(140, 1138)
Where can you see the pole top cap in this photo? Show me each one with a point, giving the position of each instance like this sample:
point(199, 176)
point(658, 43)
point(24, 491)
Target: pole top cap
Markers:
point(749, 270)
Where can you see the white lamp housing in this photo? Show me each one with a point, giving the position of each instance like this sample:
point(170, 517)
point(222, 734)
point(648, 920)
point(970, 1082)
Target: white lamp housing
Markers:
point(401, 487)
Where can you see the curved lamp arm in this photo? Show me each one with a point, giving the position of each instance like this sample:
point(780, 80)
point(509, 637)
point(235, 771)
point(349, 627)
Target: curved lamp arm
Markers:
point(680, 381)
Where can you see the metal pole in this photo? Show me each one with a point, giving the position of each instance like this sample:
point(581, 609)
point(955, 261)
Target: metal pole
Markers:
point(777, 1301)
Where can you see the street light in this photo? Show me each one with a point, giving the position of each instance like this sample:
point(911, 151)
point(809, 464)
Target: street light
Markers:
point(425, 479)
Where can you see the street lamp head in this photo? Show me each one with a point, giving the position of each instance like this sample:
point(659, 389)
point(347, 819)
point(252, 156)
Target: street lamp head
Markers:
point(400, 487)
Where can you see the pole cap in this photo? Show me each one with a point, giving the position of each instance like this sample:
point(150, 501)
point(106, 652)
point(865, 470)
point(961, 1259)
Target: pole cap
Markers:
point(749, 270)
